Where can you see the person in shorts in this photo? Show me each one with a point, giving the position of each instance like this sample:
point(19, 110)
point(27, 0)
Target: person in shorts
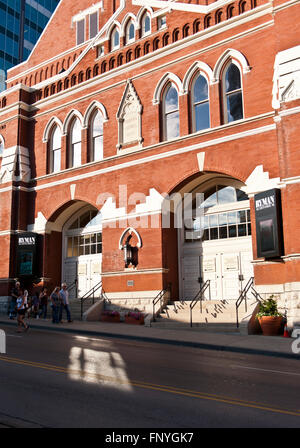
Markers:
point(21, 310)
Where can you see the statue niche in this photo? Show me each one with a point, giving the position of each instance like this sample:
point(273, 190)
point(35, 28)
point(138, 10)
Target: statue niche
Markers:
point(130, 251)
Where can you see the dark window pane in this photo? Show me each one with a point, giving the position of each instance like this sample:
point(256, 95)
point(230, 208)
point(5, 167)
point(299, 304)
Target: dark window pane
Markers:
point(93, 249)
point(93, 24)
point(242, 230)
point(234, 107)
point(214, 233)
point(80, 32)
point(223, 232)
point(206, 235)
point(87, 250)
point(232, 231)
point(242, 216)
point(248, 216)
point(249, 229)
point(241, 196)
point(233, 78)
point(99, 248)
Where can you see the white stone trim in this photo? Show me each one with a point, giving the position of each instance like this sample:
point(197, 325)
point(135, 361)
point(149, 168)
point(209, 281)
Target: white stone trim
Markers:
point(259, 180)
point(130, 230)
point(71, 115)
point(166, 78)
point(50, 124)
point(10, 158)
point(200, 67)
point(91, 109)
point(225, 57)
point(185, 149)
point(87, 12)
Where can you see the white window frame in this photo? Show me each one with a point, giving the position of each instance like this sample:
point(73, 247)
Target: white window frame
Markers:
point(112, 39)
point(127, 38)
point(52, 150)
point(72, 165)
point(146, 33)
point(192, 103)
point(92, 138)
point(164, 113)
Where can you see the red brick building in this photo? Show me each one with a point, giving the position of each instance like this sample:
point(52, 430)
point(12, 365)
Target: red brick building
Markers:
point(123, 104)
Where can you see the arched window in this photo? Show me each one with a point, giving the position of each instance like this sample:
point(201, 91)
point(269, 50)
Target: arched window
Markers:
point(130, 32)
point(55, 150)
point(232, 93)
point(75, 139)
point(146, 24)
point(115, 39)
point(219, 15)
point(120, 60)
point(226, 214)
point(176, 35)
point(96, 137)
point(147, 48)
point(170, 113)
point(200, 104)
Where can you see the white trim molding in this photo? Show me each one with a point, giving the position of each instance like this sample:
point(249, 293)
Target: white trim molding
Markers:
point(50, 124)
point(167, 77)
point(95, 105)
point(201, 68)
point(225, 57)
point(73, 113)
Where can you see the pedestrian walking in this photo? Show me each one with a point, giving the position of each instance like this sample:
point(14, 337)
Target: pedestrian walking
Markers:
point(64, 303)
point(13, 302)
point(55, 305)
point(36, 305)
point(44, 302)
point(20, 307)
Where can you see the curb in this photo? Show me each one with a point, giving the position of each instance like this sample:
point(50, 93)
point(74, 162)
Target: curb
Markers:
point(199, 345)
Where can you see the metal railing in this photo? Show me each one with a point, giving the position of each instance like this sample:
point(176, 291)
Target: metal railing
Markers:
point(91, 294)
point(159, 299)
point(72, 286)
point(243, 298)
point(199, 297)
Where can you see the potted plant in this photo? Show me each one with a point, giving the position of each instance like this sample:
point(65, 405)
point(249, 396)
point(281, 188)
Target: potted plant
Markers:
point(269, 318)
point(110, 316)
point(135, 318)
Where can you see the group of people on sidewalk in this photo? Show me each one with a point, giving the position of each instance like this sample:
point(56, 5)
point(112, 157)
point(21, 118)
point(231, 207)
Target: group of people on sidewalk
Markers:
point(37, 305)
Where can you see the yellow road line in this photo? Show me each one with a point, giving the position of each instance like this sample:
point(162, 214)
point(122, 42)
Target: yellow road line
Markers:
point(156, 387)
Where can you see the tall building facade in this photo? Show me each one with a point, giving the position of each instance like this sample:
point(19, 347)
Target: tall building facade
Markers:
point(21, 24)
point(140, 111)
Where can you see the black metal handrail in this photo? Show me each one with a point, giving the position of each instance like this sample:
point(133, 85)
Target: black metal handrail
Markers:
point(199, 298)
point(159, 299)
point(89, 294)
point(73, 285)
point(243, 298)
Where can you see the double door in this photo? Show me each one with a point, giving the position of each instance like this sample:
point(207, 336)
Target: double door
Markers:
point(86, 269)
point(227, 270)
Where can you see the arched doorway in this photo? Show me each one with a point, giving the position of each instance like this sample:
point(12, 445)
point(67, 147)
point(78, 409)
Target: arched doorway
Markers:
point(82, 249)
point(218, 244)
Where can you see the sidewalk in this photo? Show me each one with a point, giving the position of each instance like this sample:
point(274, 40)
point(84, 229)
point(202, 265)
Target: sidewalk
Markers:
point(233, 342)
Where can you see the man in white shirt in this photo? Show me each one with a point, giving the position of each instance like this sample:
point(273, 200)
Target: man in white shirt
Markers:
point(64, 295)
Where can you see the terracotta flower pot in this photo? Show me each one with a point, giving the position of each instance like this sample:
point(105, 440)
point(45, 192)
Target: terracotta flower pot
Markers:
point(270, 325)
point(134, 321)
point(107, 318)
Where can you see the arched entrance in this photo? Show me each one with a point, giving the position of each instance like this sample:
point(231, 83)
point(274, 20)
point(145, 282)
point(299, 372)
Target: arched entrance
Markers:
point(82, 249)
point(217, 246)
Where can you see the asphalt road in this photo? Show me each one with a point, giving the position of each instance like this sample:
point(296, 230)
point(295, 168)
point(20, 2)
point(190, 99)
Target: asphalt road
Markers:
point(58, 380)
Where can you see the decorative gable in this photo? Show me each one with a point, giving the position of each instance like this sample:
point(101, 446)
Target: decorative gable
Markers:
point(129, 118)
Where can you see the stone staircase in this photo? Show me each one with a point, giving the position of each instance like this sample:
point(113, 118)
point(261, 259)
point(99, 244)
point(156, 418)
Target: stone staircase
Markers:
point(75, 307)
point(216, 316)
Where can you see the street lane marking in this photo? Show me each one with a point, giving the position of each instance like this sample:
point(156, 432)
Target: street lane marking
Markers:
point(156, 387)
point(266, 370)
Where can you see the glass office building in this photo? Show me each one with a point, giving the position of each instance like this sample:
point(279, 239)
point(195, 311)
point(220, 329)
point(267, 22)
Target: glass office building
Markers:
point(21, 23)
